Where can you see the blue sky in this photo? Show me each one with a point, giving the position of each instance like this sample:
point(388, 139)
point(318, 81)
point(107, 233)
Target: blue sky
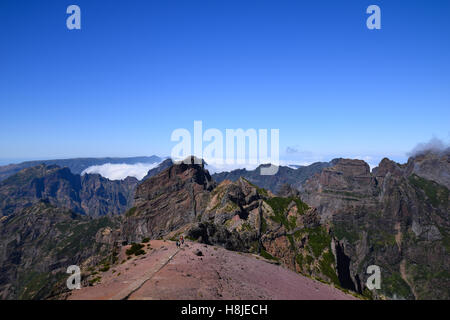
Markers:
point(137, 70)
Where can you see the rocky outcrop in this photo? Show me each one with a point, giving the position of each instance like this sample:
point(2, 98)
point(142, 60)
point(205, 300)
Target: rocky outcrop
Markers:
point(90, 194)
point(395, 217)
point(167, 201)
point(431, 166)
point(342, 185)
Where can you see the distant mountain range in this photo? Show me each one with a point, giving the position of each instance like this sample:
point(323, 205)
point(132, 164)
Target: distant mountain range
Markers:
point(285, 175)
point(76, 165)
point(87, 194)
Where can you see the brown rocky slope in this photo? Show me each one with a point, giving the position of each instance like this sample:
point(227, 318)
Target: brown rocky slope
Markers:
point(198, 271)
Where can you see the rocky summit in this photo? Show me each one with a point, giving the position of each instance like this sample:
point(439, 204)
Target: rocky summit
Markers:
point(168, 201)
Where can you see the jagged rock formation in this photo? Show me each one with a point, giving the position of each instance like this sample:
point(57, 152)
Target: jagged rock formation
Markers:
point(236, 215)
point(285, 175)
point(168, 201)
point(431, 166)
point(89, 194)
point(396, 217)
point(38, 243)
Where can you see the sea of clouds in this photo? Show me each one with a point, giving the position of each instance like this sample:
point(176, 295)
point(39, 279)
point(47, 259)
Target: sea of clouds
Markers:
point(217, 168)
point(140, 170)
point(120, 171)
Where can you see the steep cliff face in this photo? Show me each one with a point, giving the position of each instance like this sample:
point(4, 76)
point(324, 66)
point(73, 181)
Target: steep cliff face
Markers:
point(167, 201)
point(395, 217)
point(89, 194)
point(431, 166)
point(38, 243)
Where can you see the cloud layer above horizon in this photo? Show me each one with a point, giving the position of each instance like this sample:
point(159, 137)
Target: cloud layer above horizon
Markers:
point(434, 145)
point(121, 170)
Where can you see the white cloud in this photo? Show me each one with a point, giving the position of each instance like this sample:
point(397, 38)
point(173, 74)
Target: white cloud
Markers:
point(217, 168)
point(435, 145)
point(121, 170)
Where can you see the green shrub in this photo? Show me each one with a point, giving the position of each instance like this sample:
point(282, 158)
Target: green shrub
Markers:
point(96, 279)
point(436, 193)
point(104, 268)
point(326, 267)
point(319, 240)
point(263, 225)
point(139, 252)
point(279, 206)
point(267, 255)
point(395, 285)
point(130, 212)
point(135, 248)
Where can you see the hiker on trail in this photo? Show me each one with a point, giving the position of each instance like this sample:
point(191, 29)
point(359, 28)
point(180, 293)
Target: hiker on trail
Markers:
point(178, 244)
point(182, 240)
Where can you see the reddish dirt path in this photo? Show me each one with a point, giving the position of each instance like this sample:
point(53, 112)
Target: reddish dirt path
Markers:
point(168, 273)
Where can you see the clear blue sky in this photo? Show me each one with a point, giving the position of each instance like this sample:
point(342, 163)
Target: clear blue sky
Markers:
point(137, 70)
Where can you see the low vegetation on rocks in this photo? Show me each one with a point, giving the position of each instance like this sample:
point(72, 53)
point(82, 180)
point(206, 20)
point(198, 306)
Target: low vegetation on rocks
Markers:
point(135, 249)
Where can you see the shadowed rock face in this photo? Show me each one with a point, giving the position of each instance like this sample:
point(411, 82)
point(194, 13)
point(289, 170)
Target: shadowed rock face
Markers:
point(165, 202)
point(395, 217)
point(162, 166)
point(90, 194)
